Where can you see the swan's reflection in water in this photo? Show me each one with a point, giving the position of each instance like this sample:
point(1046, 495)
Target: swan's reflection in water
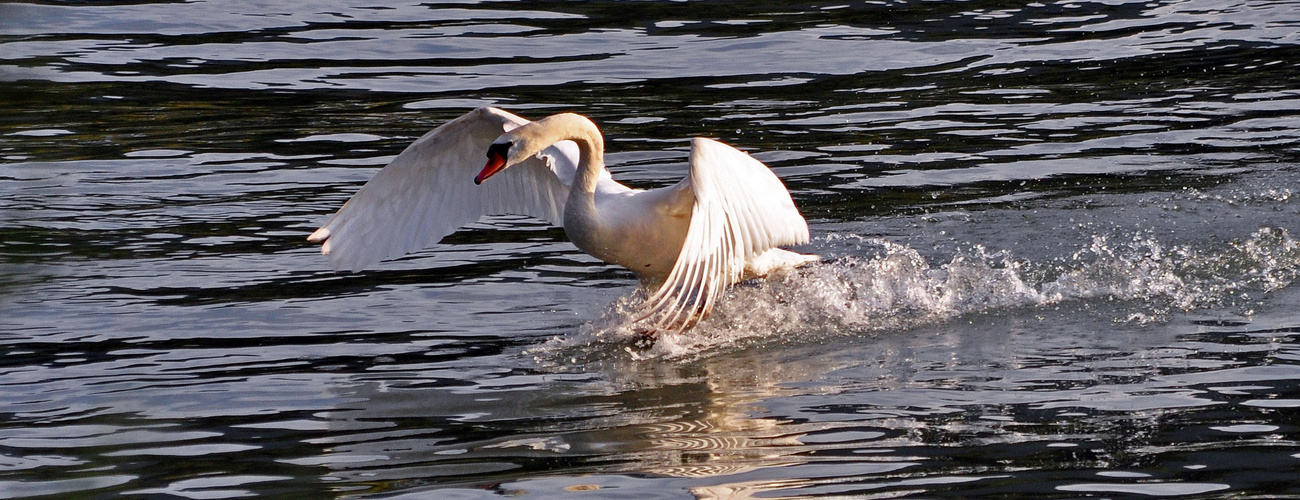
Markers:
point(698, 419)
point(720, 429)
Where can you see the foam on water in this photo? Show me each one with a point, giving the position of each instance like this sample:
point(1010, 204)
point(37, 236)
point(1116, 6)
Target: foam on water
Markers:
point(883, 286)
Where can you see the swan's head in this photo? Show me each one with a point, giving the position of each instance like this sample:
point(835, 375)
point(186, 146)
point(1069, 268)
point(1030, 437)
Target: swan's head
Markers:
point(498, 158)
point(513, 147)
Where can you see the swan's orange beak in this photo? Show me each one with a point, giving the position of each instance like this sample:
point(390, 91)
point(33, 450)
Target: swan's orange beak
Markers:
point(495, 164)
point(496, 155)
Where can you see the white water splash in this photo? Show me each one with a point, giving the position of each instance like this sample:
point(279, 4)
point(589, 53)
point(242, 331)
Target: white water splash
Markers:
point(885, 286)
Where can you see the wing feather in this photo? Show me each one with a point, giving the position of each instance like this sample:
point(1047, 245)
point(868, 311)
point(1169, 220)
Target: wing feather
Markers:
point(741, 210)
point(428, 191)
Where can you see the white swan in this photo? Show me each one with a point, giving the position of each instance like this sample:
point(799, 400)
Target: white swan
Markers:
point(718, 226)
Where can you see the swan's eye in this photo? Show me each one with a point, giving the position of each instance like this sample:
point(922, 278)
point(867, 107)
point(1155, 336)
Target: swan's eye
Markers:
point(500, 150)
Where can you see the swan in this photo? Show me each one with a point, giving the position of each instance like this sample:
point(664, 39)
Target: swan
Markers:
point(687, 242)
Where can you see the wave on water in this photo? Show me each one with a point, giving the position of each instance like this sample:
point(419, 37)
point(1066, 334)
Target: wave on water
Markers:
point(883, 286)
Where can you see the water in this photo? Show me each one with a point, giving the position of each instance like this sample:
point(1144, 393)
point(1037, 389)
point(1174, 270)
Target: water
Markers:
point(1060, 240)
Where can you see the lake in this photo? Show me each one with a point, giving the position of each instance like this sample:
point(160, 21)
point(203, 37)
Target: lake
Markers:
point(1059, 240)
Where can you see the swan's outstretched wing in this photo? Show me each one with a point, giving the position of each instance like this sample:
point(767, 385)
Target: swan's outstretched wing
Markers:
point(741, 209)
point(428, 191)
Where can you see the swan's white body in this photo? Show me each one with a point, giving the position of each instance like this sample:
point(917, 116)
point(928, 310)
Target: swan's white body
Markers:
point(719, 225)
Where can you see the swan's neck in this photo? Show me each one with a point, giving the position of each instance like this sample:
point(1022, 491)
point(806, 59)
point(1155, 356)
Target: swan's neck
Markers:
point(582, 221)
point(591, 150)
point(590, 166)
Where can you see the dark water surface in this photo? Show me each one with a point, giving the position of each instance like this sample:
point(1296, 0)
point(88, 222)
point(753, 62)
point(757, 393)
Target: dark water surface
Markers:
point(1061, 241)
